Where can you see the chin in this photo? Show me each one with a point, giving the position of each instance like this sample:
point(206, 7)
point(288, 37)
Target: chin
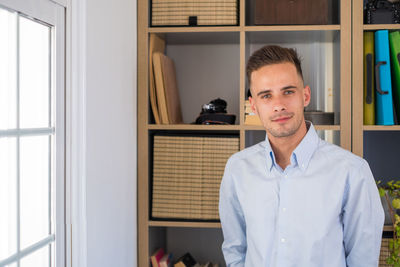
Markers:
point(283, 130)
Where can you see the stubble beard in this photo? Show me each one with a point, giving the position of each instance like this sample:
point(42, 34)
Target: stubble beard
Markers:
point(279, 133)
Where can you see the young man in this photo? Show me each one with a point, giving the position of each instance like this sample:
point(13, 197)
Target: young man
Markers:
point(295, 200)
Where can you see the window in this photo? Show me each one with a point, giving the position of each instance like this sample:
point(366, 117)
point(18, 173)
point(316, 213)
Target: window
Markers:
point(32, 141)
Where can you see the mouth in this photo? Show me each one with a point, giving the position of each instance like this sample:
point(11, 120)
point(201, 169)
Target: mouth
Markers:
point(282, 119)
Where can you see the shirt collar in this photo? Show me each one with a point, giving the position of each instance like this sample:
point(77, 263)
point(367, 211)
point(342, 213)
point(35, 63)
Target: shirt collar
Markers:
point(302, 153)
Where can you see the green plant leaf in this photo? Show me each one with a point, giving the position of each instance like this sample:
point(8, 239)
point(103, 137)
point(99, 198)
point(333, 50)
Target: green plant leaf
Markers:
point(396, 203)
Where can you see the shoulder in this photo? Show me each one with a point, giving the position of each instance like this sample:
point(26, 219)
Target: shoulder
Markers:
point(243, 156)
point(340, 157)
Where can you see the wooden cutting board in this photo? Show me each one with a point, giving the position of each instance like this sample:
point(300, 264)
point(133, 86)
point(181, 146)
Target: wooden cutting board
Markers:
point(171, 90)
point(167, 89)
point(156, 44)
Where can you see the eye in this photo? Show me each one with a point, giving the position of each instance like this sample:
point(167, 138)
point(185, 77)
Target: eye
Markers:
point(288, 92)
point(266, 96)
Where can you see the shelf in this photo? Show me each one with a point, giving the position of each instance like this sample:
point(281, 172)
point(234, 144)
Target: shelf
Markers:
point(197, 127)
point(381, 127)
point(292, 28)
point(317, 127)
point(185, 224)
point(388, 228)
point(194, 29)
point(245, 28)
point(292, 35)
point(193, 127)
point(381, 27)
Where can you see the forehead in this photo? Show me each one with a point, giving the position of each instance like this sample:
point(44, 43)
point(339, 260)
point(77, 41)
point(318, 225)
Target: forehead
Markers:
point(276, 75)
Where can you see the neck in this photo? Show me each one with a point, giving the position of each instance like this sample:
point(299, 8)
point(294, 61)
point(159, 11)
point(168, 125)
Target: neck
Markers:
point(283, 147)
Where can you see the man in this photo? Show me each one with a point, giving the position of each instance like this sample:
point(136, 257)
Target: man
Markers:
point(294, 199)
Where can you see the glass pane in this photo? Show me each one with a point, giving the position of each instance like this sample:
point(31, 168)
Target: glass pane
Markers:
point(34, 74)
point(38, 258)
point(8, 197)
point(34, 184)
point(330, 136)
point(8, 69)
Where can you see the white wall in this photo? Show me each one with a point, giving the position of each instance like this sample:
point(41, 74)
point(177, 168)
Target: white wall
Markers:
point(111, 133)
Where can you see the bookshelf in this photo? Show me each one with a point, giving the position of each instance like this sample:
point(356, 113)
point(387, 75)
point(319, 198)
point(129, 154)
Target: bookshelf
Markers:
point(221, 54)
point(361, 131)
point(378, 144)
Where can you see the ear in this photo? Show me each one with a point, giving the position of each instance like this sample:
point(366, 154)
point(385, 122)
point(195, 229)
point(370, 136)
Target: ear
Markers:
point(253, 105)
point(306, 95)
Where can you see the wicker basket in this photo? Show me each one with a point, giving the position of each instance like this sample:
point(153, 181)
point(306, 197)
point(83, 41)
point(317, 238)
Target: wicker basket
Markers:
point(187, 172)
point(194, 12)
point(385, 253)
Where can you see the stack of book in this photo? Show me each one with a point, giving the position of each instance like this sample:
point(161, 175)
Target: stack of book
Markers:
point(381, 77)
point(250, 117)
point(187, 172)
point(161, 259)
point(187, 260)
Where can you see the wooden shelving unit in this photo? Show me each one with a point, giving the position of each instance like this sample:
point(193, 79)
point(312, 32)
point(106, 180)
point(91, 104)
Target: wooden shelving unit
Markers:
point(357, 85)
point(359, 129)
point(242, 40)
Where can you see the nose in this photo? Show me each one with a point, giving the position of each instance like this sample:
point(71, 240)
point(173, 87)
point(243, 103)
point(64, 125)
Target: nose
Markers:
point(279, 108)
point(278, 105)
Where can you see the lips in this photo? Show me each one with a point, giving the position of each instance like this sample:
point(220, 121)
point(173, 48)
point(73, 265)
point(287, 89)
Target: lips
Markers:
point(281, 119)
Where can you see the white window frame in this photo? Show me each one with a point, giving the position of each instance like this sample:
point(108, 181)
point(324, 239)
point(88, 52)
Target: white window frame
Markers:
point(73, 250)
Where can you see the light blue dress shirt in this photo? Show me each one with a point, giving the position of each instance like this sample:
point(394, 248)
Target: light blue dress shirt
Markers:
point(323, 210)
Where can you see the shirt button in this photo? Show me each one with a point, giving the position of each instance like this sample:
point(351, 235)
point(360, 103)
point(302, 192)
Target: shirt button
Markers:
point(283, 209)
point(285, 175)
point(302, 165)
point(283, 240)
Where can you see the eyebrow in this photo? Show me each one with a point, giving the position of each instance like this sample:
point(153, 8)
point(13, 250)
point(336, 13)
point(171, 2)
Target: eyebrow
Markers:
point(282, 89)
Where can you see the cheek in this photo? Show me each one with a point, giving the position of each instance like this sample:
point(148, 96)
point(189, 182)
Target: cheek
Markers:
point(263, 110)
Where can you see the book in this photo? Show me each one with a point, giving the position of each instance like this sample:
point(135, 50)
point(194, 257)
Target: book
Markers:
point(369, 81)
point(252, 120)
point(186, 260)
point(394, 42)
point(384, 99)
point(156, 257)
point(166, 260)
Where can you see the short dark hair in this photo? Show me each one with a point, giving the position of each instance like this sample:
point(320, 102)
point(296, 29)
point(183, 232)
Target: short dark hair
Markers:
point(272, 54)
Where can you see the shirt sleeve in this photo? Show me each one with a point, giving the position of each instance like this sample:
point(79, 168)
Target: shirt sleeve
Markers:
point(363, 219)
point(232, 220)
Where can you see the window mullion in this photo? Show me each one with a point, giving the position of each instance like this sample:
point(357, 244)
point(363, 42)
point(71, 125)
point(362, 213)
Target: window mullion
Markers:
point(18, 140)
point(29, 250)
point(50, 81)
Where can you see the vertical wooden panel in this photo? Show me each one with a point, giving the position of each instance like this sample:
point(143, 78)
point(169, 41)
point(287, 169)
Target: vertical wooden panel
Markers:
point(242, 77)
point(358, 109)
point(242, 16)
point(142, 175)
point(345, 74)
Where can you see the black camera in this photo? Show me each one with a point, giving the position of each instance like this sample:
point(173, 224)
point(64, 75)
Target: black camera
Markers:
point(215, 113)
point(216, 106)
point(381, 12)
